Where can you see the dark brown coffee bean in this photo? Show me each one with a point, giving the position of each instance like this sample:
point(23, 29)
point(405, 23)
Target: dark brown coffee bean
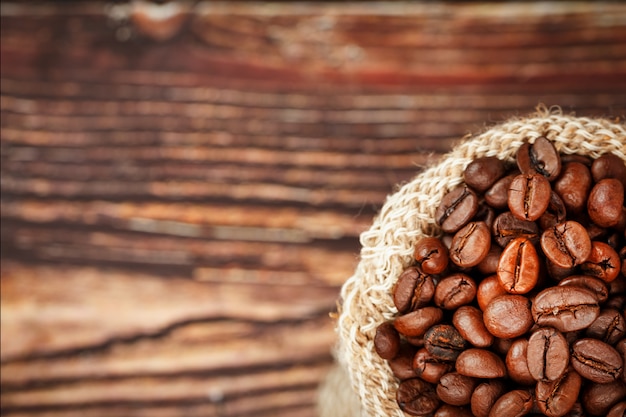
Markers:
point(469, 322)
point(598, 399)
point(573, 186)
point(518, 268)
point(456, 209)
point(603, 262)
point(558, 272)
point(429, 368)
point(431, 254)
point(514, 403)
point(413, 290)
point(498, 195)
point(529, 196)
point(402, 364)
point(609, 166)
point(454, 291)
point(554, 214)
point(483, 172)
point(541, 157)
point(417, 398)
point(566, 308)
point(480, 363)
point(566, 244)
point(470, 245)
point(556, 398)
point(488, 289)
point(485, 214)
point(448, 410)
point(507, 227)
point(605, 202)
point(596, 360)
point(416, 323)
point(517, 363)
point(456, 389)
point(489, 265)
point(598, 287)
point(547, 355)
point(444, 342)
point(618, 410)
point(508, 316)
point(387, 340)
point(502, 346)
point(485, 396)
point(609, 327)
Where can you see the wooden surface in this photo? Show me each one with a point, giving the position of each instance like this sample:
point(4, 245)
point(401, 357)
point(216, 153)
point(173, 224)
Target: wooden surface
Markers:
point(181, 202)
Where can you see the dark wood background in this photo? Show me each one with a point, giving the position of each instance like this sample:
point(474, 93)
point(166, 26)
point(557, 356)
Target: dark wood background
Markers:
point(182, 199)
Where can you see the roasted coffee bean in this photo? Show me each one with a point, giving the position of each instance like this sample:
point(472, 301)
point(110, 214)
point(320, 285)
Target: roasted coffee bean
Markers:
point(541, 157)
point(517, 363)
point(556, 398)
point(448, 410)
point(468, 320)
point(387, 340)
point(558, 272)
point(529, 196)
point(598, 399)
point(508, 316)
point(456, 209)
point(573, 186)
point(566, 308)
point(514, 403)
point(402, 364)
point(417, 398)
point(429, 368)
point(413, 290)
point(488, 289)
point(485, 396)
point(507, 227)
point(431, 254)
point(554, 214)
point(444, 342)
point(608, 166)
point(609, 327)
point(567, 244)
point(598, 287)
point(502, 346)
point(480, 363)
point(596, 360)
point(482, 173)
point(547, 354)
point(485, 214)
point(416, 323)
point(498, 195)
point(470, 245)
point(454, 291)
point(618, 410)
point(606, 201)
point(518, 268)
point(456, 389)
point(603, 262)
point(489, 265)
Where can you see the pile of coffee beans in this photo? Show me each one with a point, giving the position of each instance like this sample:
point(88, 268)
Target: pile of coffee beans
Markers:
point(519, 307)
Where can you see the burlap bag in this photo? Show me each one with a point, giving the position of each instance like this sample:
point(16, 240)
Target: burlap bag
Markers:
point(406, 216)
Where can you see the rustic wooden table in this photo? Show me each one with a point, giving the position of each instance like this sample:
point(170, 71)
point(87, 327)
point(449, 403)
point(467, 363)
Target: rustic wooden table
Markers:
point(183, 186)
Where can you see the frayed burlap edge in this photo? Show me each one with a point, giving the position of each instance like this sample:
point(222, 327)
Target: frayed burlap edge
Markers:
point(406, 216)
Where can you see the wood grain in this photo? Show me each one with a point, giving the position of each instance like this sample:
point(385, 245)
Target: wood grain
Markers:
point(182, 200)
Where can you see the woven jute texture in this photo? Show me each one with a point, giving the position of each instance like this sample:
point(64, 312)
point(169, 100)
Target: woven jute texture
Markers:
point(407, 215)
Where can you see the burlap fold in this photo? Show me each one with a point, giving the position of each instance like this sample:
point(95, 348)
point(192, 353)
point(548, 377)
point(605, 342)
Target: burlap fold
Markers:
point(406, 216)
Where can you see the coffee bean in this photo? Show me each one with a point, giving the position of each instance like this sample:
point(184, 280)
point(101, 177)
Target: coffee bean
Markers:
point(567, 244)
point(470, 245)
point(518, 268)
point(603, 262)
point(402, 364)
point(608, 166)
point(416, 323)
point(597, 287)
point(387, 340)
point(529, 196)
point(448, 410)
point(606, 201)
point(598, 399)
point(444, 342)
point(468, 320)
point(566, 308)
point(456, 209)
point(456, 389)
point(573, 186)
point(517, 363)
point(596, 360)
point(540, 157)
point(618, 410)
point(508, 316)
point(431, 254)
point(498, 195)
point(488, 289)
point(489, 265)
point(417, 398)
point(507, 227)
point(485, 396)
point(609, 327)
point(482, 173)
point(556, 398)
point(547, 354)
point(513, 404)
point(480, 363)
point(554, 214)
point(429, 368)
point(454, 291)
point(413, 290)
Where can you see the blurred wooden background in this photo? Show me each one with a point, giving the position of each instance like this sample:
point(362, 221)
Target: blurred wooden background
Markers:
point(183, 186)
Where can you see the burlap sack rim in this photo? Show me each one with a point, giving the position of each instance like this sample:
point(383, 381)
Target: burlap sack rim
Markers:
point(406, 216)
